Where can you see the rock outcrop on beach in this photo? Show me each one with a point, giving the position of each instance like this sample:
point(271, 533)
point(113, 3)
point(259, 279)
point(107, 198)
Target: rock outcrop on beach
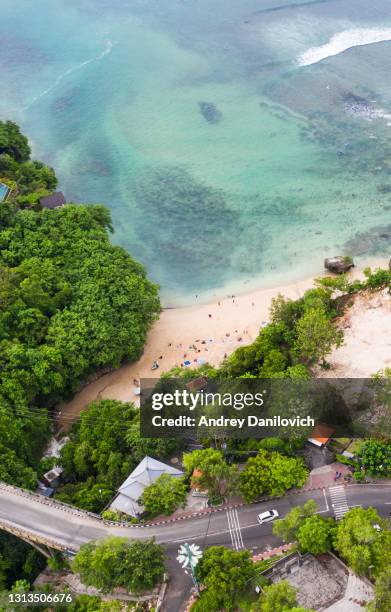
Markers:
point(338, 264)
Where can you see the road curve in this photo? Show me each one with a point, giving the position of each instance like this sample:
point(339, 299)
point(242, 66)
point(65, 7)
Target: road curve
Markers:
point(65, 527)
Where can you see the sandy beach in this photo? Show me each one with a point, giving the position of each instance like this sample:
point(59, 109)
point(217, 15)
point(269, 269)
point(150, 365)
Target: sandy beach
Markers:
point(367, 338)
point(206, 332)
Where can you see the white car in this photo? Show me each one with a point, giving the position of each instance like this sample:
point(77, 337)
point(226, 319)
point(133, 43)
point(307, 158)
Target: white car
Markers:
point(267, 516)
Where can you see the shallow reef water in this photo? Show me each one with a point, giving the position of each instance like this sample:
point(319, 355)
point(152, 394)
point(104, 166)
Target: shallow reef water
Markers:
point(228, 161)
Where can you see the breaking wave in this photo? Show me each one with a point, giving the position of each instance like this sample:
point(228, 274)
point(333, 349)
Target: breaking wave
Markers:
point(106, 51)
point(342, 41)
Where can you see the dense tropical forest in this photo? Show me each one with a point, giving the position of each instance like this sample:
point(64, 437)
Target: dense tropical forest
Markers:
point(104, 448)
point(71, 303)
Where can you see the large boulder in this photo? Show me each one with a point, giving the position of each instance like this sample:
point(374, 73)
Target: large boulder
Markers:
point(339, 264)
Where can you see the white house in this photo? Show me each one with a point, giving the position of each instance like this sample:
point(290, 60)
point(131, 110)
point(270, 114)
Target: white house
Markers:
point(143, 475)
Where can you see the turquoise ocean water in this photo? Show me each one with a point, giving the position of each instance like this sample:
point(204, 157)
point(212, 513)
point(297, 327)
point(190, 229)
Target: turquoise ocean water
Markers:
point(226, 164)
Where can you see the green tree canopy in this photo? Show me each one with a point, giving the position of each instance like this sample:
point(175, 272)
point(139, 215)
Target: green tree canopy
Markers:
point(315, 535)
point(18, 560)
point(375, 457)
point(22, 436)
point(117, 562)
point(104, 448)
point(363, 540)
point(70, 303)
point(164, 495)
point(89, 495)
point(85, 603)
point(271, 474)
point(300, 333)
point(316, 336)
point(288, 527)
point(215, 475)
point(281, 597)
point(382, 602)
point(12, 142)
point(226, 574)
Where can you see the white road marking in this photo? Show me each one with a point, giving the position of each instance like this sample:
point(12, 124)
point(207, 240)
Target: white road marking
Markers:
point(231, 532)
point(234, 528)
point(210, 533)
point(239, 529)
point(199, 536)
point(325, 501)
point(338, 501)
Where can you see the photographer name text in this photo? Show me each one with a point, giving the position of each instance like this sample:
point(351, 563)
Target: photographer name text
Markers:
point(249, 421)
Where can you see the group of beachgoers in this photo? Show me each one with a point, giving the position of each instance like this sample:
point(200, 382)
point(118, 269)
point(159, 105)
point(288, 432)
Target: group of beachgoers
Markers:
point(200, 346)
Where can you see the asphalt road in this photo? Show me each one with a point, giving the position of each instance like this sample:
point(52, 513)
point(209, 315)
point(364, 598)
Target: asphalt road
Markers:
point(236, 528)
point(223, 530)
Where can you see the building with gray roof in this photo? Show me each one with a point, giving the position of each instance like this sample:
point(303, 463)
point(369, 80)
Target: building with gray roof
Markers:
point(142, 476)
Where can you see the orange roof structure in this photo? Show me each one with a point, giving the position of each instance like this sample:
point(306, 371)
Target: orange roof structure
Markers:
point(322, 434)
point(194, 480)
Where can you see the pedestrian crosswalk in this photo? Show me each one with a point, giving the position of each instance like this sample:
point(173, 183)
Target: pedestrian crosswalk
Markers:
point(234, 529)
point(339, 501)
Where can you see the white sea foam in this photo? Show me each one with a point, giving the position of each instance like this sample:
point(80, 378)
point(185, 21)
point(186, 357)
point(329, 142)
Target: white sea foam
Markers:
point(106, 51)
point(342, 41)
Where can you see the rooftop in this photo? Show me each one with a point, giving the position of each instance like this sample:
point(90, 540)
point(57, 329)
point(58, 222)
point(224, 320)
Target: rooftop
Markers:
point(321, 435)
point(143, 475)
point(322, 582)
point(55, 200)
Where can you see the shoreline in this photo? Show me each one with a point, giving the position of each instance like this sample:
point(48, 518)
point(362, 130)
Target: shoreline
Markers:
point(206, 332)
point(276, 278)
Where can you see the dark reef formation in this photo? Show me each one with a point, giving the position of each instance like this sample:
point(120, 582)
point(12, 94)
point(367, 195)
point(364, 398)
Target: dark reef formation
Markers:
point(178, 220)
point(210, 112)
